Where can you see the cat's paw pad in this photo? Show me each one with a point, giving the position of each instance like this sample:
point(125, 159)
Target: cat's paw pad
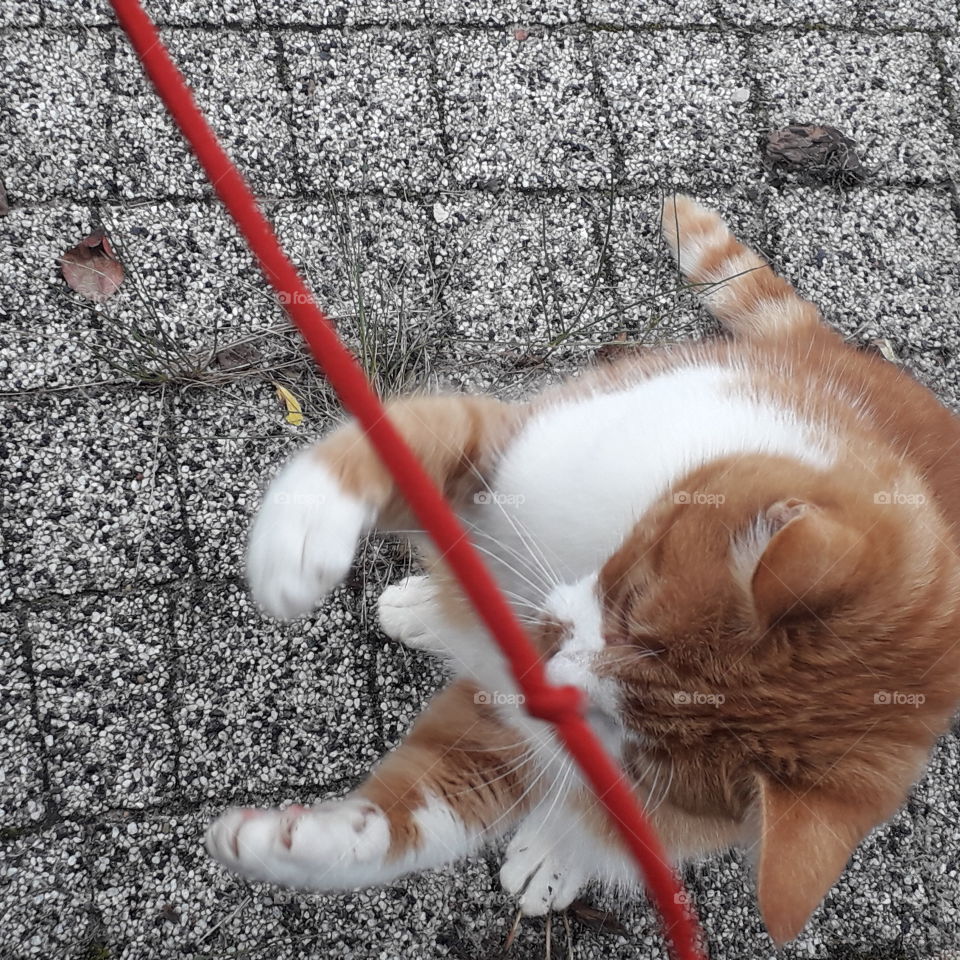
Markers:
point(408, 612)
point(539, 876)
point(329, 847)
point(304, 537)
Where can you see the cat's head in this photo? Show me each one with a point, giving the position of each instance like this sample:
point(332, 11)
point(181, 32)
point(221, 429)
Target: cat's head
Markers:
point(783, 642)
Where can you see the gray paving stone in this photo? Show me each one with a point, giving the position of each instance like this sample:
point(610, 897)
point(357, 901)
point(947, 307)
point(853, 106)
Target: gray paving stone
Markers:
point(521, 113)
point(103, 671)
point(55, 125)
point(521, 277)
point(521, 12)
point(20, 13)
point(266, 707)
point(406, 681)
point(841, 13)
point(237, 84)
point(230, 441)
point(368, 261)
point(363, 114)
point(192, 286)
point(45, 895)
point(950, 50)
point(160, 895)
point(618, 13)
point(182, 12)
point(341, 13)
point(77, 13)
point(90, 501)
point(879, 264)
point(881, 91)
point(930, 15)
point(676, 100)
point(22, 799)
point(47, 332)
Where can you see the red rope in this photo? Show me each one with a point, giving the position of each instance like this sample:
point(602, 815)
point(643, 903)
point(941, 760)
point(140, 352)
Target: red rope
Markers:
point(561, 706)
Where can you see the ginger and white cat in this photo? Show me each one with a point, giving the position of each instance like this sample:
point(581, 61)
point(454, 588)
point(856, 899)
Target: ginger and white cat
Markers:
point(743, 550)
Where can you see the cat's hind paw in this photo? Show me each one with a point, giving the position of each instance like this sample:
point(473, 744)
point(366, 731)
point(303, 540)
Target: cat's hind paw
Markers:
point(304, 537)
point(539, 875)
point(333, 846)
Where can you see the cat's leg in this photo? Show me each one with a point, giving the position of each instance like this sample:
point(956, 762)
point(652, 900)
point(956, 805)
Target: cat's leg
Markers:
point(411, 612)
point(461, 777)
point(304, 537)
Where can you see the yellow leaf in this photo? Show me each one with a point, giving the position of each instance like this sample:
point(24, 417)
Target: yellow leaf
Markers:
point(294, 410)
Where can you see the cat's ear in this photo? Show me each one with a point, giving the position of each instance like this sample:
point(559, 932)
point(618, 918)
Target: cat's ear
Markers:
point(805, 842)
point(806, 556)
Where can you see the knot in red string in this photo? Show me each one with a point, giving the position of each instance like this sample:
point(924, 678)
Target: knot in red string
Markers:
point(554, 704)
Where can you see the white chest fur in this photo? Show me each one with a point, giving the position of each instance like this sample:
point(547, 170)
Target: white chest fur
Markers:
point(579, 474)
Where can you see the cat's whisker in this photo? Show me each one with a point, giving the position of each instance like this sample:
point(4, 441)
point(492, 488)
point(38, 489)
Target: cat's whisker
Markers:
point(545, 769)
point(542, 586)
point(519, 528)
point(499, 559)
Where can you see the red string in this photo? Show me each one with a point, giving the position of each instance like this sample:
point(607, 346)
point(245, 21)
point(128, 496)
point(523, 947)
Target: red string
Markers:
point(559, 705)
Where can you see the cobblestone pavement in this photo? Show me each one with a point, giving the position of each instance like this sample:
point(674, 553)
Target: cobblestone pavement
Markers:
point(472, 189)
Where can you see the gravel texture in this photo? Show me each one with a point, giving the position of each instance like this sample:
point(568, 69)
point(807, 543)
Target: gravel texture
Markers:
point(472, 190)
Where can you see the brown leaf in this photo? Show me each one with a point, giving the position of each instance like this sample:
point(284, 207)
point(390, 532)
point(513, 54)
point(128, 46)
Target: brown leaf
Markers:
point(170, 913)
point(619, 347)
point(816, 153)
point(91, 268)
point(4, 206)
point(236, 355)
point(600, 921)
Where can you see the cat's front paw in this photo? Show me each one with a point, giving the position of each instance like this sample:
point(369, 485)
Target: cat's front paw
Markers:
point(333, 846)
point(544, 876)
point(304, 537)
point(409, 612)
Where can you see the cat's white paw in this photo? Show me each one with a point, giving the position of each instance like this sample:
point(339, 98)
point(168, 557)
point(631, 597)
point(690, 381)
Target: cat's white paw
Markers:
point(333, 846)
point(408, 613)
point(304, 537)
point(543, 875)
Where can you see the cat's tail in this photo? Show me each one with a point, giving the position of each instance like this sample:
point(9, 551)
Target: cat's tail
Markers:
point(738, 286)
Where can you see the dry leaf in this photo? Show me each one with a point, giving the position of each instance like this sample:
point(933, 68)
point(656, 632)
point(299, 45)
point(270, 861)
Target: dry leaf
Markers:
point(236, 355)
point(292, 404)
point(818, 153)
point(170, 913)
point(91, 268)
point(619, 347)
point(600, 921)
point(4, 206)
point(885, 348)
